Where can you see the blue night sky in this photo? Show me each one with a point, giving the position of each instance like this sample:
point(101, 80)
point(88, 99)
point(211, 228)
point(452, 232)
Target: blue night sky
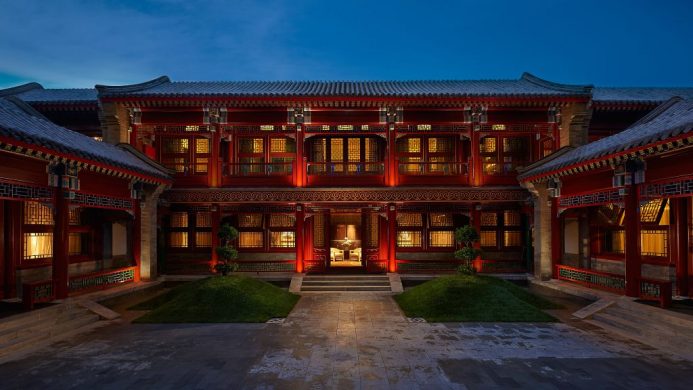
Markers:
point(608, 43)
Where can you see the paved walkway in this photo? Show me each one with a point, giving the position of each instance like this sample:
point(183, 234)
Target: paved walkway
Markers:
point(346, 341)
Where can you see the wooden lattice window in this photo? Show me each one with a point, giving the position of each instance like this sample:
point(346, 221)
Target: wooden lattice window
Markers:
point(489, 155)
point(179, 220)
point(373, 231)
point(74, 246)
point(37, 246)
point(319, 230)
point(282, 220)
point(487, 238)
point(250, 220)
point(441, 239)
point(409, 239)
point(250, 240)
point(74, 217)
point(440, 220)
point(203, 239)
point(203, 219)
point(409, 219)
point(37, 214)
point(282, 239)
point(178, 239)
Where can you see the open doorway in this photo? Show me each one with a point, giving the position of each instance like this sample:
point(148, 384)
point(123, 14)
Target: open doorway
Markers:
point(345, 240)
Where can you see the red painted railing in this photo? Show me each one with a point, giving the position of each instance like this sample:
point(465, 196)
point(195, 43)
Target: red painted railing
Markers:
point(656, 290)
point(101, 280)
point(258, 169)
point(432, 168)
point(345, 168)
point(37, 292)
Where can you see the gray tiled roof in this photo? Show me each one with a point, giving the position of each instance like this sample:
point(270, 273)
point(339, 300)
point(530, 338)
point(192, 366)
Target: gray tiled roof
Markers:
point(35, 93)
point(527, 85)
point(639, 94)
point(20, 123)
point(668, 120)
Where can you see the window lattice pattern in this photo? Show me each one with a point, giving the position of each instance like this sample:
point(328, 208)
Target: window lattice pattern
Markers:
point(372, 231)
point(282, 145)
point(489, 219)
point(649, 212)
point(337, 149)
point(74, 216)
point(74, 246)
point(511, 218)
point(440, 219)
point(488, 238)
point(282, 220)
point(488, 145)
point(176, 145)
point(250, 220)
point(203, 219)
point(614, 241)
point(251, 145)
point(439, 145)
point(282, 239)
point(202, 145)
point(441, 239)
point(319, 230)
point(203, 239)
point(512, 238)
point(371, 152)
point(179, 220)
point(178, 239)
point(654, 243)
point(250, 240)
point(409, 219)
point(37, 214)
point(38, 245)
point(408, 239)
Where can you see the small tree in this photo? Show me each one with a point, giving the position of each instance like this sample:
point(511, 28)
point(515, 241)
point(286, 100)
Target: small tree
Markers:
point(225, 251)
point(467, 236)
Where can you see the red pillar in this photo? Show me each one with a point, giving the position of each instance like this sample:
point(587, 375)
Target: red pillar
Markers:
point(632, 228)
point(301, 159)
point(392, 237)
point(680, 220)
point(60, 242)
point(556, 244)
point(391, 163)
point(216, 222)
point(475, 171)
point(300, 220)
point(137, 238)
point(214, 177)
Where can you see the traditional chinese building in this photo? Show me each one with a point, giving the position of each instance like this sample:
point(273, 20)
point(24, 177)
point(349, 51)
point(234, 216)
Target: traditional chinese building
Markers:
point(376, 176)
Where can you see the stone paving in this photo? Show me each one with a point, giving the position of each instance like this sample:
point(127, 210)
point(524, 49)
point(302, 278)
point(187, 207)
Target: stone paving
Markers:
point(346, 341)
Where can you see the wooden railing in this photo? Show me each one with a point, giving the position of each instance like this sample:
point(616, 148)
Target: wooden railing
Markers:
point(656, 290)
point(346, 168)
point(593, 279)
point(258, 169)
point(499, 266)
point(101, 280)
point(432, 168)
point(37, 292)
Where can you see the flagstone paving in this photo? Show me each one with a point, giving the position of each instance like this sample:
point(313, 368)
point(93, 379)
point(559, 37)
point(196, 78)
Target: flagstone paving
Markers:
point(346, 341)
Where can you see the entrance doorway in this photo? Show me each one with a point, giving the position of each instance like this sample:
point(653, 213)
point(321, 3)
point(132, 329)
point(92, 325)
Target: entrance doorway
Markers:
point(345, 238)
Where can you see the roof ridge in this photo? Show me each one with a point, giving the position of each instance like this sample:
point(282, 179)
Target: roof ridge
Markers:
point(340, 81)
point(586, 89)
point(659, 110)
point(132, 87)
point(25, 107)
point(20, 89)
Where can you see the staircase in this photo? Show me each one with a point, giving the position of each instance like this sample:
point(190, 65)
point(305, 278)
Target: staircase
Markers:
point(33, 329)
point(337, 283)
point(662, 329)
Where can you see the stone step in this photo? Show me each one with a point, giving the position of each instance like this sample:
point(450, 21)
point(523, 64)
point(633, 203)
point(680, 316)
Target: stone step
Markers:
point(655, 313)
point(20, 320)
point(652, 325)
point(43, 324)
point(346, 277)
point(337, 288)
point(385, 283)
point(52, 332)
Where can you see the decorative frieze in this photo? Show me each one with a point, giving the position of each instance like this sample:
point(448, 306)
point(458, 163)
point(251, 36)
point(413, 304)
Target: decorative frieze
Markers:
point(23, 191)
point(100, 201)
point(673, 188)
point(591, 199)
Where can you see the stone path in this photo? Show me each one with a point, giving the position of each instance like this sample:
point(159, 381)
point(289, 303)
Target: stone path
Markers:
point(346, 341)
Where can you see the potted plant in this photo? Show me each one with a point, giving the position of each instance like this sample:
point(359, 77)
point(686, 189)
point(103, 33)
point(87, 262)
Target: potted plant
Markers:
point(467, 236)
point(225, 251)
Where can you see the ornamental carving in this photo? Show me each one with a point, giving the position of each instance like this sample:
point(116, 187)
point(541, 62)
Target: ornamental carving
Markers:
point(593, 199)
point(108, 202)
point(23, 191)
point(348, 195)
point(673, 188)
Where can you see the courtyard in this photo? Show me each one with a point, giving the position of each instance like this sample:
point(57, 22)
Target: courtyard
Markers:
point(353, 340)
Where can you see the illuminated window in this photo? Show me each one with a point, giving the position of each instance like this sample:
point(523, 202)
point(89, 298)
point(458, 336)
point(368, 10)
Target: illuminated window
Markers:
point(651, 211)
point(487, 238)
point(345, 127)
point(203, 239)
point(413, 145)
point(203, 219)
point(337, 149)
point(489, 219)
point(192, 128)
point(74, 246)
point(408, 239)
point(250, 220)
point(654, 243)
point(178, 239)
point(282, 239)
point(614, 241)
point(498, 127)
point(282, 220)
point(37, 214)
point(282, 145)
point(409, 219)
point(250, 240)
point(325, 128)
point(441, 239)
point(512, 238)
point(511, 218)
point(365, 127)
point(440, 219)
point(372, 231)
point(251, 145)
point(439, 145)
point(489, 156)
point(267, 127)
point(38, 245)
point(488, 145)
point(202, 145)
point(423, 127)
point(74, 217)
point(354, 153)
point(179, 220)
point(176, 145)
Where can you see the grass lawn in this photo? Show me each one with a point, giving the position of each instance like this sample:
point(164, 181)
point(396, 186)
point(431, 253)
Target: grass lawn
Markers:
point(469, 298)
point(219, 299)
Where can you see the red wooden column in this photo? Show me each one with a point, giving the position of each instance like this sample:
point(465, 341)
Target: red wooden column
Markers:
point(216, 222)
point(301, 158)
point(60, 242)
point(392, 237)
point(391, 162)
point(556, 244)
point(632, 228)
point(475, 171)
point(680, 220)
point(214, 177)
point(137, 238)
point(300, 222)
